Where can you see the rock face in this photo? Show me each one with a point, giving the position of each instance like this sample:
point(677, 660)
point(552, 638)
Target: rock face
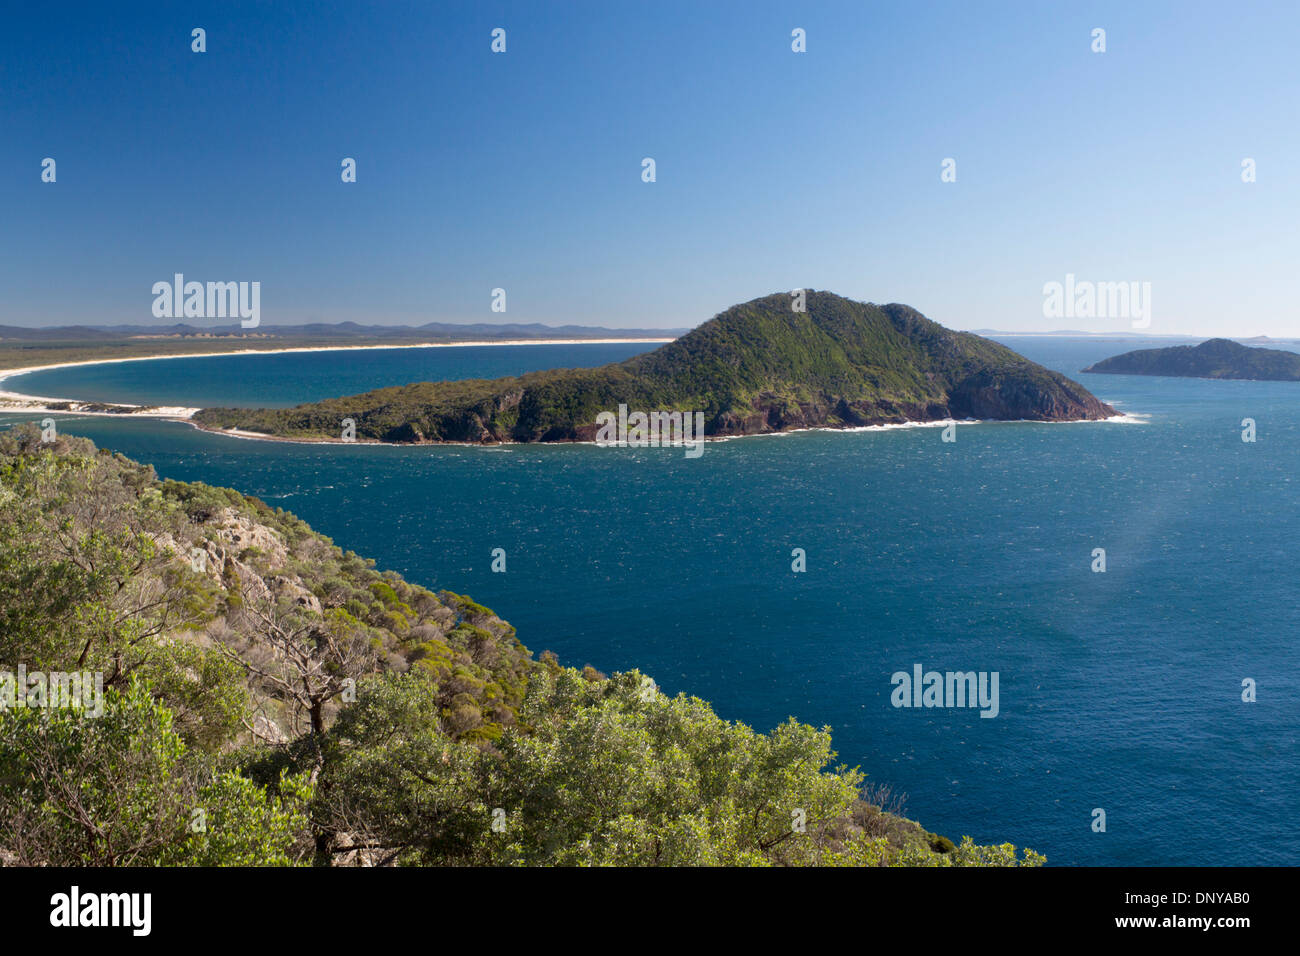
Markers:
point(243, 533)
point(763, 366)
point(988, 395)
point(1215, 358)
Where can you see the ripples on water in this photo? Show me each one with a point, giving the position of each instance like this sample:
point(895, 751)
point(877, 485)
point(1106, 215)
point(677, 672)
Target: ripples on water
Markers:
point(1118, 690)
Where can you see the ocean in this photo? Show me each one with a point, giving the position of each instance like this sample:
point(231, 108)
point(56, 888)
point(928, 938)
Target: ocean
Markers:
point(1119, 690)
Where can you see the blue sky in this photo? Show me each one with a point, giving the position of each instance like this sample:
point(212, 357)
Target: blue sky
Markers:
point(775, 170)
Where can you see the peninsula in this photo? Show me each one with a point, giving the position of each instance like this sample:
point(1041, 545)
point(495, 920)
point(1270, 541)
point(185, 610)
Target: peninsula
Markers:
point(760, 367)
point(27, 349)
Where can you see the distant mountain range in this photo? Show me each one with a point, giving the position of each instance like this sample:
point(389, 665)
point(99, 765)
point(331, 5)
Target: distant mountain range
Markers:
point(340, 330)
point(758, 367)
point(1215, 358)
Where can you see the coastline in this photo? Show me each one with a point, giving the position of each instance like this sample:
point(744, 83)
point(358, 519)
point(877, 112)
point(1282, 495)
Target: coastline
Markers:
point(21, 402)
point(1121, 419)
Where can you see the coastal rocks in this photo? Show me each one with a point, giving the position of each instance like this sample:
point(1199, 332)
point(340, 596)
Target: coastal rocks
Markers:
point(509, 400)
point(243, 534)
point(563, 433)
point(406, 433)
point(202, 557)
point(729, 423)
point(469, 428)
point(239, 555)
point(247, 582)
point(860, 414)
point(291, 589)
point(985, 396)
point(990, 395)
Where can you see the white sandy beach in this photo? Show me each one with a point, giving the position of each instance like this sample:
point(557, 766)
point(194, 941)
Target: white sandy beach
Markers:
point(20, 402)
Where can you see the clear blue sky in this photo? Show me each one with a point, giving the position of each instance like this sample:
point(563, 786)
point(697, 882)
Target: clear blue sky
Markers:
point(775, 170)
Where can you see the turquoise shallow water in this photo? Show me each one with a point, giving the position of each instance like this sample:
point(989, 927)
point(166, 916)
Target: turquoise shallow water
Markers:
point(1118, 690)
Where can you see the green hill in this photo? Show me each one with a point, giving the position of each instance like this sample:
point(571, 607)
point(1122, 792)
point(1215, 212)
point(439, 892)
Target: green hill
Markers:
point(305, 708)
point(758, 367)
point(1215, 358)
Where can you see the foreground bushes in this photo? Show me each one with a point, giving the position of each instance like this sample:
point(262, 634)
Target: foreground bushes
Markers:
point(290, 705)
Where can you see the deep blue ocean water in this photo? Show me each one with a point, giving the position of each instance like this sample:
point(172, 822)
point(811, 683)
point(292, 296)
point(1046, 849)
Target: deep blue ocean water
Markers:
point(290, 378)
point(1119, 690)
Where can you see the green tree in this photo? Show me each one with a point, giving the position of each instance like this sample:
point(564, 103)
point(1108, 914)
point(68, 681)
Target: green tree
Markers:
point(122, 789)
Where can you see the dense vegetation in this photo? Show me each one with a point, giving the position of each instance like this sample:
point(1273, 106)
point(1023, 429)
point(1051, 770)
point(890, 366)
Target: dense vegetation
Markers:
point(271, 699)
point(757, 367)
point(1215, 358)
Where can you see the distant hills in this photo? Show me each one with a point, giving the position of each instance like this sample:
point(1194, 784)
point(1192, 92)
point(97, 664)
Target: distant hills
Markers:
point(62, 333)
point(1215, 358)
point(22, 347)
point(758, 367)
point(324, 330)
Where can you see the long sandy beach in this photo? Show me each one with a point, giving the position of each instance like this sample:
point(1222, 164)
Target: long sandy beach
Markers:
point(21, 402)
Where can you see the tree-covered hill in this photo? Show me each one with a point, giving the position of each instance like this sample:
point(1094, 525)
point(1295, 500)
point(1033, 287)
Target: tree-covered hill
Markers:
point(270, 699)
point(1215, 358)
point(758, 367)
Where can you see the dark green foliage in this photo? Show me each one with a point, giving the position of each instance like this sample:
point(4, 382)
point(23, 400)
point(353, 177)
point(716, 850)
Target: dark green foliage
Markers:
point(303, 706)
point(123, 789)
point(941, 844)
point(1216, 358)
point(95, 574)
point(756, 367)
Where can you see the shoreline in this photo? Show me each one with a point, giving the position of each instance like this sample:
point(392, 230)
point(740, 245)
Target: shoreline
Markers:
point(21, 402)
point(239, 433)
point(18, 402)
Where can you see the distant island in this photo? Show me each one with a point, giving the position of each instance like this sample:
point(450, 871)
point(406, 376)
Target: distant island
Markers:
point(1216, 358)
point(760, 367)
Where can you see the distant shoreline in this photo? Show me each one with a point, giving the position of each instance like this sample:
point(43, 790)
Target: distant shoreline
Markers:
point(20, 402)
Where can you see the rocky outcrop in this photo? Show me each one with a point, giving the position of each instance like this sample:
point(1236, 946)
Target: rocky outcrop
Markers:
point(244, 534)
point(1000, 397)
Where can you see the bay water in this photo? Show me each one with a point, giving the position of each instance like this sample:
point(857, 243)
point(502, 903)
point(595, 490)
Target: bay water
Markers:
point(1119, 690)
